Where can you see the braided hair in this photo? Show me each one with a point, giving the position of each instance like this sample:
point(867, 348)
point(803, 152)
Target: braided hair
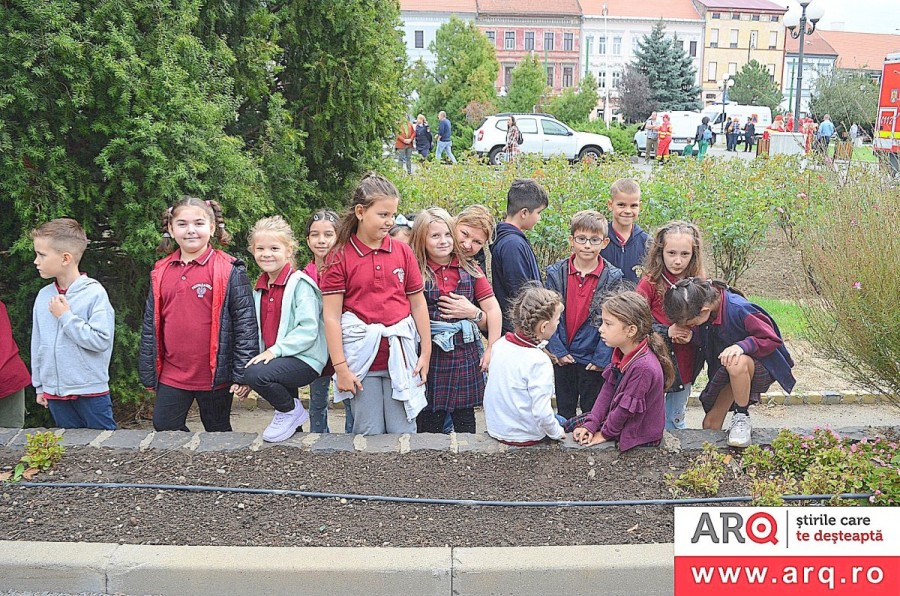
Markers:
point(533, 305)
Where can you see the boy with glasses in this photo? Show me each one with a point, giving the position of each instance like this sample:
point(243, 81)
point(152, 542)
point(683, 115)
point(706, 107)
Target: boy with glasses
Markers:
point(584, 280)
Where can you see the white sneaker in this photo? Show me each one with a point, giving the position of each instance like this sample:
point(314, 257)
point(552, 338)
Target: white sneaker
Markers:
point(285, 424)
point(739, 433)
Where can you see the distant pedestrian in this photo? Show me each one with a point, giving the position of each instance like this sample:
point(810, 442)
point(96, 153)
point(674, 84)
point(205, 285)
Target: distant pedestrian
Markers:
point(513, 139)
point(423, 136)
point(444, 141)
point(403, 145)
point(732, 128)
point(824, 134)
point(855, 137)
point(651, 127)
point(703, 137)
point(749, 134)
point(665, 139)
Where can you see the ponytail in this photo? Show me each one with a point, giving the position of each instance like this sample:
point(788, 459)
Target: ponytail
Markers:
point(658, 346)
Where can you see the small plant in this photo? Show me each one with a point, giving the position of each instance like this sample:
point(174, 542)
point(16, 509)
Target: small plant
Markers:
point(703, 476)
point(42, 451)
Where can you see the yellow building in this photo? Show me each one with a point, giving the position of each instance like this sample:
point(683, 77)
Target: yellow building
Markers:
point(738, 31)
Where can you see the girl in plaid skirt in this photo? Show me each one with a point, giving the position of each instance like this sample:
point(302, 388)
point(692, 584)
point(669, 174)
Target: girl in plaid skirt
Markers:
point(458, 358)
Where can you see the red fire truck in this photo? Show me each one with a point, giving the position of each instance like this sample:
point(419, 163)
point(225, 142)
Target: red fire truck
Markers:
point(886, 142)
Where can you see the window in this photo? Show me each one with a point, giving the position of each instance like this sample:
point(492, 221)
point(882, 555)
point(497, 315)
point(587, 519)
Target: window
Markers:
point(754, 36)
point(775, 18)
point(693, 49)
point(771, 69)
point(616, 78)
point(735, 16)
point(732, 68)
point(526, 125)
point(554, 128)
point(529, 40)
point(567, 76)
point(754, 17)
point(713, 38)
point(601, 46)
point(492, 36)
point(549, 76)
point(717, 15)
point(601, 79)
point(548, 41)
point(509, 40)
point(507, 75)
point(568, 42)
point(420, 39)
point(634, 44)
point(680, 44)
point(711, 96)
point(734, 39)
point(617, 46)
point(773, 40)
point(711, 72)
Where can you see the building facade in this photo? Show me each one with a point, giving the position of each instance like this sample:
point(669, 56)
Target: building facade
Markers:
point(611, 30)
point(552, 32)
point(738, 31)
point(818, 59)
point(421, 20)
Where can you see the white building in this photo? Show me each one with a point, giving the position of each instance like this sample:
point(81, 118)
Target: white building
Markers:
point(611, 30)
point(422, 18)
point(818, 59)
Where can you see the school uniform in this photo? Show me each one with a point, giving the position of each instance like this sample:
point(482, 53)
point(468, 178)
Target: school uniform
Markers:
point(740, 322)
point(627, 255)
point(376, 284)
point(577, 334)
point(14, 376)
point(199, 332)
point(517, 405)
point(289, 314)
point(630, 408)
point(455, 381)
point(512, 265)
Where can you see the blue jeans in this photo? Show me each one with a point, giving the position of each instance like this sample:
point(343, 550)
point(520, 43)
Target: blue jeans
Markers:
point(441, 147)
point(84, 412)
point(318, 407)
point(676, 404)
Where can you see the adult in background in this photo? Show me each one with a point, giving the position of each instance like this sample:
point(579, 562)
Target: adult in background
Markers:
point(651, 127)
point(423, 136)
point(664, 131)
point(749, 134)
point(443, 139)
point(703, 138)
point(824, 134)
point(855, 138)
point(403, 145)
point(731, 134)
point(512, 138)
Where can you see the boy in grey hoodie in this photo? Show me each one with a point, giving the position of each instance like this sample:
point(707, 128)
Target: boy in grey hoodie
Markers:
point(72, 337)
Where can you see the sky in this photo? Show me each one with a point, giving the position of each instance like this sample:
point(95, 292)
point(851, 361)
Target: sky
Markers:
point(868, 16)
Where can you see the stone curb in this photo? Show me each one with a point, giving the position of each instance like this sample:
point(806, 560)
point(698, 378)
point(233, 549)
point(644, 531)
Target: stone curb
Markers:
point(814, 398)
point(623, 570)
point(688, 439)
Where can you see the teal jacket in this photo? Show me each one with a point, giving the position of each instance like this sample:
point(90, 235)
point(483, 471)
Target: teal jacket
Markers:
point(301, 330)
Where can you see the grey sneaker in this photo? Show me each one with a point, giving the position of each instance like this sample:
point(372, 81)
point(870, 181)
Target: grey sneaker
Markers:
point(739, 433)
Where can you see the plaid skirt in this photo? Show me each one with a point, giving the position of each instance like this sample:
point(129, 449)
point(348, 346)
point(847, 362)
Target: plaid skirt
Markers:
point(455, 380)
point(574, 422)
point(760, 383)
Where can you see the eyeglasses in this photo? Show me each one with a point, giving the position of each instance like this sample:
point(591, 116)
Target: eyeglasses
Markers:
point(593, 240)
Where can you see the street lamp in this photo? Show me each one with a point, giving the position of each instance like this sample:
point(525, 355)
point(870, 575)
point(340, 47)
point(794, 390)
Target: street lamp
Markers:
point(607, 76)
point(800, 25)
point(727, 83)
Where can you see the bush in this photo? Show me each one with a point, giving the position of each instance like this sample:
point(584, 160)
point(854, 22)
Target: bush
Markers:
point(850, 250)
point(621, 137)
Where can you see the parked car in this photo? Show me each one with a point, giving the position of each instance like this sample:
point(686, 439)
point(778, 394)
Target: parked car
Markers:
point(541, 133)
point(684, 129)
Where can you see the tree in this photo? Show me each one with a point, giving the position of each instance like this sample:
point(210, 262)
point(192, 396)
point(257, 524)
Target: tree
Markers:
point(464, 71)
point(635, 99)
point(573, 106)
point(529, 82)
point(754, 86)
point(847, 97)
point(669, 70)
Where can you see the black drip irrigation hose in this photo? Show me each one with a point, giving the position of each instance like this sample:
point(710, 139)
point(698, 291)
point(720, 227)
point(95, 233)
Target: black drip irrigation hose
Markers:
point(424, 501)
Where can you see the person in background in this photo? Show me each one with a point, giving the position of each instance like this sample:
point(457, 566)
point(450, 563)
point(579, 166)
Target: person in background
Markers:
point(403, 145)
point(14, 377)
point(665, 139)
point(512, 139)
point(444, 138)
point(423, 136)
point(703, 137)
point(730, 134)
point(855, 137)
point(824, 134)
point(651, 127)
point(749, 134)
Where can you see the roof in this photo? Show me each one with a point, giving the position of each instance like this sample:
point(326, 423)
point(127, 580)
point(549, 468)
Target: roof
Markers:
point(861, 51)
point(529, 8)
point(813, 44)
point(743, 6)
point(653, 9)
point(439, 6)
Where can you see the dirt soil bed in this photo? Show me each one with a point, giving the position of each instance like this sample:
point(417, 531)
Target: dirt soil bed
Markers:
point(141, 516)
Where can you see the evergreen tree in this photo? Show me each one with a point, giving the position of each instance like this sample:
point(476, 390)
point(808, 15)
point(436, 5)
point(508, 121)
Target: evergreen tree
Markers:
point(669, 71)
point(753, 86)
point(529, 82)
point(573, 106)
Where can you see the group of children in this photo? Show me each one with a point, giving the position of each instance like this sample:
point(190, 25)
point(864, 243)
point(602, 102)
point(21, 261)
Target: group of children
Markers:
point(401, 317)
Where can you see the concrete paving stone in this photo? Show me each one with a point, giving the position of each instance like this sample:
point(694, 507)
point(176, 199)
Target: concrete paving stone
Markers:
point(6, 435)
point(480, 442)
point(79, 437)
point(203, 570)
point(54, 566)
point(831, 399)
point(225, 441)
point(171, 439)
point(333, 443)
point(18, 441)
point(429, 442)
point(126, 439)
point(813, 398)
point(302, 441)
point(692, 439)
point(383, 444)
point(764, 436)
point(620, 570)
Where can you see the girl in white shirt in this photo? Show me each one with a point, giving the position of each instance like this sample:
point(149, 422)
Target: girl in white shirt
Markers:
point(520, 383)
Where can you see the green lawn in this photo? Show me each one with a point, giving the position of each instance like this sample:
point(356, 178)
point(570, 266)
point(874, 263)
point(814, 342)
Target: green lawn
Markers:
point(787, 314)
point(864, 153)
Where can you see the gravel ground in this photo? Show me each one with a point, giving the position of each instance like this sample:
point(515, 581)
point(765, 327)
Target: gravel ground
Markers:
point(141, 516)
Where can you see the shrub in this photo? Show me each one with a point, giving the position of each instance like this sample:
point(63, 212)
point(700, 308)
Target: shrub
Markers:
point(621, 137)
point(703, 476)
